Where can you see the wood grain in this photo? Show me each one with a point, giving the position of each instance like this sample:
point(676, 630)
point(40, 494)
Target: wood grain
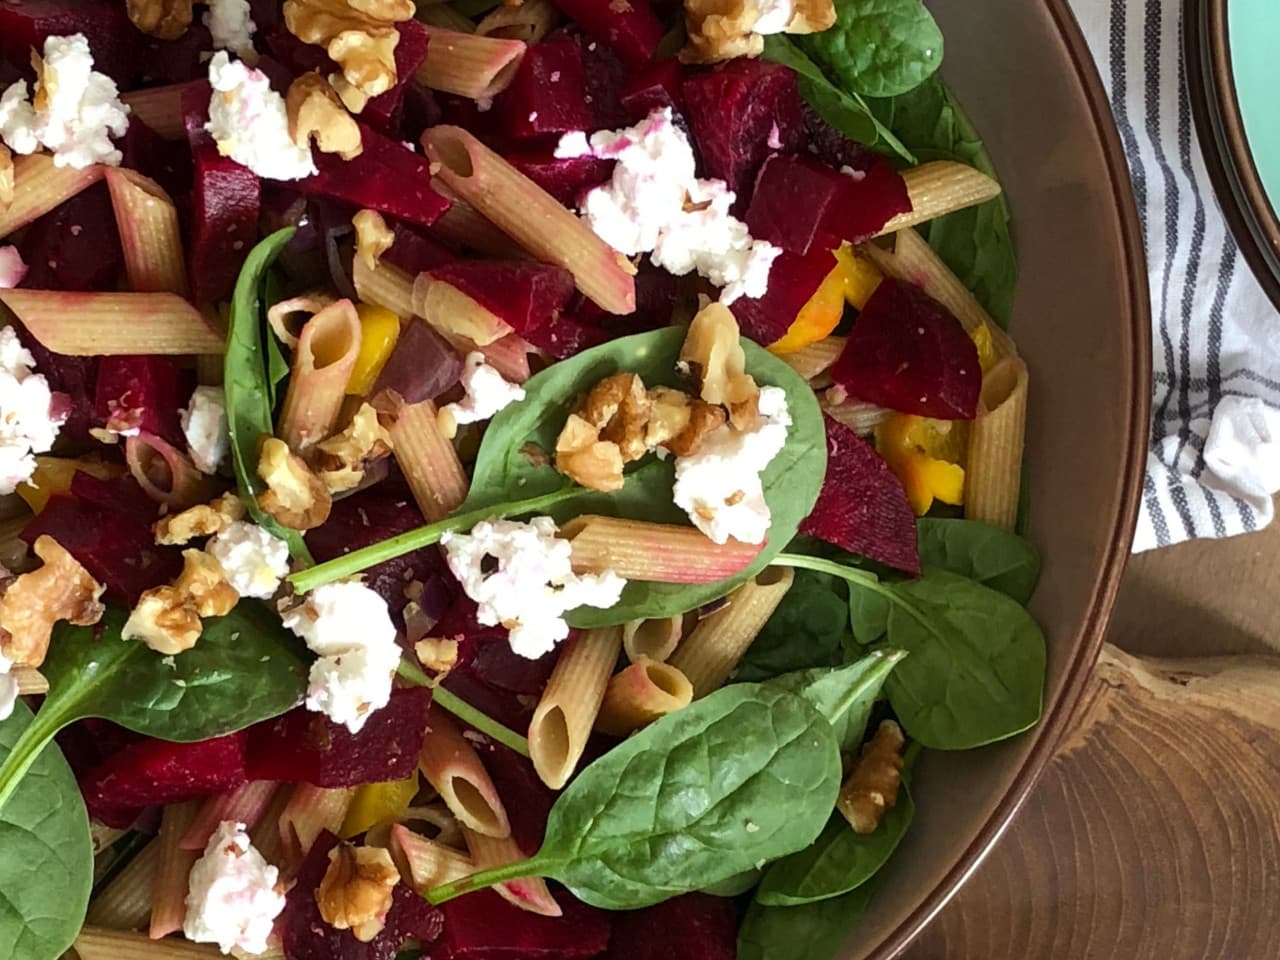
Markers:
point(1154, 834)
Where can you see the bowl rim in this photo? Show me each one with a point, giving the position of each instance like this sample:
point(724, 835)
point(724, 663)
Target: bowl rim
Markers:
point(1056, 721)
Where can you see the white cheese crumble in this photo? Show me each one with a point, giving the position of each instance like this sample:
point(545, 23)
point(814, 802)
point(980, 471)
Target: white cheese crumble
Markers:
point(656, 204)
point(8, 686)
point(248, 122)
point(487, 392)
point(204, 424)
point(719, 487)
point(27, 423)
point(253, 560)
point(347, 625)
point(12, 268)
point(75, 113)
point(774, 15)
point(233, 894)
point(230, 25)
point(533, 584)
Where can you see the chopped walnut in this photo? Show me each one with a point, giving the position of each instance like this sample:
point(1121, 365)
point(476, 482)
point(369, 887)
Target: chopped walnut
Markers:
point(6, 177)
point(680, 422)
point(204, 582)
point(437, 653)
point(723, 29)
point(359, 35)
point(341, 460)
point(352, 97)
point(61, 589)
point(373, 237)
point(165, 19)
point(355, 893)
point(872, 787)
point(165, 619)
point(315, 111)
point(584, 457)
point(295, 496)
point(713, 354)
point(202, 520)
point(619, 407)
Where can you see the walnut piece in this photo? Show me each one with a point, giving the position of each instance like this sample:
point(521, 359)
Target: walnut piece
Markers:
point(355, 893)
point(165, 19)
point(165, 619)
point(342, 459)
point(582, 456)
point(204, 582)
point(723, 29)
point(352, 97)
point(6, 177)
point(679, 422)
point(314, 111)
point(202, 520)
point(437, 653)
point(295, 496)
point(373, 237)
point(872, 787)
point(61, 589)
point(359, 35)
point(713, 354)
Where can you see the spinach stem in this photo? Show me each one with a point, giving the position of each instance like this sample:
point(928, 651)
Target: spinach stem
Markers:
point(397, 546)
point(861, 578)
point(464, 711)
point(26, 750)
point(485, 878)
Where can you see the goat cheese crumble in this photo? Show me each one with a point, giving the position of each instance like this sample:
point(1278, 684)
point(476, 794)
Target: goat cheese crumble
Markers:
point(12, 268)
point(8, 687)
point(774, 15)
point(253, 560)
point(719, 487)
point(656, 204)
point(487, 392)
point(204, 424)
point(230, 25)
point(233, 894)
point(347, 625)
point(75, 112)
point(533, 584)
point(249, 124)
point(28, 424)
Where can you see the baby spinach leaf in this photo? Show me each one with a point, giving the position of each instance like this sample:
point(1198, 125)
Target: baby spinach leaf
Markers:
point(868, 617)
point(505, 471)
point(844, 696)
point(878, 48)
point(277, 365)
point(815, 931)
point(745, 775)
point(993, 556)
point(249, 388)
point(807, 630)
point(736, 885)
point(46, 855)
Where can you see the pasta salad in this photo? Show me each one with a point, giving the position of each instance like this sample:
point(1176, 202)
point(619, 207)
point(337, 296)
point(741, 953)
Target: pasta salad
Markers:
point(492, 480)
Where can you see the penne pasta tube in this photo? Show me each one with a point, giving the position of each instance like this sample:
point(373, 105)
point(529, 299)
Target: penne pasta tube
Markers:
point(428, 460)
point(107, 324)
point(39, 186)
point(98, 943)
point(860, 417)
point(529, 22)
point(444, 15)
point(939, 188)
point(265, 835)
point(812, 360)
point(383, 285)
point(532, 217)
point(245, 804)
point(427, 863)
point(322, 363)
point(567, 711)
point(14, 552)
point(30, 680)
point(527, 893)
point(453, 767)
point(641, 694)
point(451, 311)
point(708, 655)
point(125, 902)
point(657, 552)
point(160, 108)
point(169, 882)
point(150, 237)
point(309, 812)
point(464, 226)
point(287, 318)
point(653, 639)
point(467, 64)
point(165, 473)
point(993, 470)
point(508, 355)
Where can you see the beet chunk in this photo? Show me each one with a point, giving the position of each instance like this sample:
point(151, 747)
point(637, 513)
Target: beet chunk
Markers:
point(483, 926)
point(422, 366)
point(862, 507)
point(523, 293)
point(630, 29)
point(74, 377)
point(653, 88)
point(528, 800)
point(177, 61)
point(565, 335)
point(75, 246)
point(140, 393)
point(792, 281)
point(565, 178)
point(384, 111)
point(414, 250)
point(167, 162)
point(548, 94)
point(696, 926)
point(908, 353)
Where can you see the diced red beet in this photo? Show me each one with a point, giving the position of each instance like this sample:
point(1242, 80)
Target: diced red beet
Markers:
point(528, 800)
point(155, 771)
point(524, 293)
point(113, 40)
point(908, 352)
point(862, 507)
point(266, 14)
point(307, 747)
point(792, 281)
point(605, 77)
point(695, 926)
point(485, 125)
point(630, 29)
point(511, 710)
point(75, 246)
point(419, 110)
point(383, 112)
point(297, 57)
point(832, 147)
point(421, 367)
point(177, 61)
point(304, 935)
point(736, 113)
point(140, 393)
point(483, 926)
point(548, 94)
point(167, 162)
point(565, 178)
point(564, 336)
point(415, 250)
point(654, 87)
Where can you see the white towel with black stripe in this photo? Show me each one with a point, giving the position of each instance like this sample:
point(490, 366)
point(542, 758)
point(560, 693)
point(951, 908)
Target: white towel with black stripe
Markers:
point(1213, 463)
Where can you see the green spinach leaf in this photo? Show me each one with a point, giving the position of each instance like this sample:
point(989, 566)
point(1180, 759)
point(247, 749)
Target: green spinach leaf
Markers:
point(868, 618)
point(844, 696)
point(878, 48)
point(46, 863)
point(745, 775)
point(249, 388)
point(277, 365)
point(807, 630)
point(736, 885)
point(993, 556)
point(504, 470)
point(815, 931)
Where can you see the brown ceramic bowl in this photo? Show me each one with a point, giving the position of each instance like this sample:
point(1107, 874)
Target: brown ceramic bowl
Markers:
point(1081, 318)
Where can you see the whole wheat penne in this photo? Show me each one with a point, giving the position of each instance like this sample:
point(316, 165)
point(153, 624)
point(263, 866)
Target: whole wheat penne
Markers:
point(451, 311)
point(565, 714)
point(993, 470)
point(160, 108)
point(150, 237)
point(464, 226)
point(508, 355)
point(30, 680)
point(101, 324)
point(859, 416)
point(100, 943)
point(444, 15)
point(427, 863)
point(467, 64)
point(659, 552)
point(527, 893)
point(532, 217)
point(125, 902)
point(384, 285)
point(309, 812)
point(708, 655)
point(165, 473)
point(169, 883)
point(428, 460)
point(245, 804)
point(939, 188)
point(322, 364)
point(453, 767)
point(814, 359)
point(287, 318)
point(529, 22)
point(266, 835)
point(652, 639)
point(39, 186)
point(641, 694)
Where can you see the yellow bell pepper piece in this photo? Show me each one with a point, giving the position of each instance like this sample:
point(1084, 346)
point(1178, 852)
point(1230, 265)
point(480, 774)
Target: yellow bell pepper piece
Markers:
point(53, 475)
point(379, 331)
point(375, 802)
point(852, 280)
point(925, 455)
point(861, 276)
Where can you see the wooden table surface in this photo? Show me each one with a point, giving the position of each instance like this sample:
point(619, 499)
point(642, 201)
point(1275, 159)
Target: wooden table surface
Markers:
point(1155, 832)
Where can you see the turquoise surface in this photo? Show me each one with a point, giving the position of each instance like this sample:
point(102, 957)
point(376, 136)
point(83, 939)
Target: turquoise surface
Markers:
point(1254, 27)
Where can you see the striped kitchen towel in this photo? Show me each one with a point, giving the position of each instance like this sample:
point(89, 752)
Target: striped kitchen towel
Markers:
point(1213, 461)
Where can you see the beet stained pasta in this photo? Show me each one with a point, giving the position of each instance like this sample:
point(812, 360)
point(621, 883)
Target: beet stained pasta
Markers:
point(660, 552)
point(322, 363)
point(266, 835)
point(813, 360)
point(527, 893)
point(384, 285)
point(439, 14)
point(428, 460)
point(566, 713)
point(149, 233)
point(106, 324)
point(652, 639)
point(993, 471)
point(39, 185)
point(641, 694)
point(245, 804)
point(463, 225)
point(96, 943)
point(309, 812)
point(468, 64)
point(453, 767)
point(160, 108)
point(165, 472)
point(528, 22)
point(451, 311)
point(939, 188)
point(709, 653)
point(125, 902)
point(169, 882)
point(426, 863)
